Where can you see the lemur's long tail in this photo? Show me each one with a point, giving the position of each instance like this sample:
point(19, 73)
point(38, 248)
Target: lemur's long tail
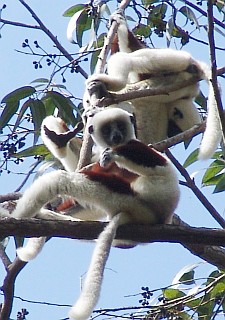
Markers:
point(213, 133)
point(85, 304)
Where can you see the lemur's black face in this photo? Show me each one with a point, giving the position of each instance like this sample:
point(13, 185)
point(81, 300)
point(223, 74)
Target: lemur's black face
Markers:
point(112, 127)
point(114, 133)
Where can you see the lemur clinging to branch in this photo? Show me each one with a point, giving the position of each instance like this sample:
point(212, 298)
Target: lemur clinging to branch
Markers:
point(143, 190)
point(136, 68)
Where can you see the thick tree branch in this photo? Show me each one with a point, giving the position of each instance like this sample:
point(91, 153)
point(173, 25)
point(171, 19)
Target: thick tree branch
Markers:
point(90, 230)
point(133, 91)
point(9, 286)
point(194, 239)
point(10, 196)
point(213, 255)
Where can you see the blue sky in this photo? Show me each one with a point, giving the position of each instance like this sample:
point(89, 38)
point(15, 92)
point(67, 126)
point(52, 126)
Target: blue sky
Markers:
point(55, 276)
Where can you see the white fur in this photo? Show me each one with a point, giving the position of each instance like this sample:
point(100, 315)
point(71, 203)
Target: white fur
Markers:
point(4, 213)
point(154, 112)
point(65, 155)
point(68, 155)
point(156, 197)
point(32, 249)
point(89, 296)
point(88, 193)
point(213, 132)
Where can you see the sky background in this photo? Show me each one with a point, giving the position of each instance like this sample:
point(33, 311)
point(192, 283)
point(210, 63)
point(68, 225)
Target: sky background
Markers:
point(55, 276)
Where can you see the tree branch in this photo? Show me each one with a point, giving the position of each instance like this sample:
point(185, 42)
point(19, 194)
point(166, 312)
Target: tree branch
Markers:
point(197, 8)
point(9, 286)
point(86, 149)
point(53, 38)
point(133, 91)
point(191, 184)
point(90, 230)
point(181, 137)
point(211, 254)
point(19, 24)
point(10, 196)
point(194, 239)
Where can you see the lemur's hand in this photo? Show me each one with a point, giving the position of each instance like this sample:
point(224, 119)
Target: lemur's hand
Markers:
point(106, 157)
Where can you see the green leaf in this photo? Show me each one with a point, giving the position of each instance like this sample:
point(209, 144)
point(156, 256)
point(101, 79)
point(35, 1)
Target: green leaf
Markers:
point(201, 100)
point(83, 24)
point(171, 294)
point(149, 2)
point(39, 150)
point(220, 185)
point(188, 278)
point(213, 181)
point(64, 105)
point(213, 275)
point(214, 168)
point(218, 290)
point(78, 23)
point(187, 12)
point(38, 112)
point(72, 10)
point(193, 157)
point(97, 45)
point(40, 80)
point(169, 30)
point(49, 105)
point(8, 112)
point(19, 94)
point(205, 309)
point(186, 275)
point(94, 60)
point(194, 303)
point(142, 30)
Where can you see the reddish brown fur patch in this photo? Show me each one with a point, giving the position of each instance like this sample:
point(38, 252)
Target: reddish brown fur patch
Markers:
point(115, 45)
point(112, 168)
point(141, 154)
point(134, 43)
point(66, 204)
point(110, 181)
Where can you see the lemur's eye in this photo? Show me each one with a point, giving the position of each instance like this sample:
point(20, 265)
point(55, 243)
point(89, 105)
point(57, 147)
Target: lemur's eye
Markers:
point(91, 129)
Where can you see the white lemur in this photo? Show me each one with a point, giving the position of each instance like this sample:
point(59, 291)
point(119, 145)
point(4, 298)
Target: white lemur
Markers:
point(142, 187)
point(136, 68)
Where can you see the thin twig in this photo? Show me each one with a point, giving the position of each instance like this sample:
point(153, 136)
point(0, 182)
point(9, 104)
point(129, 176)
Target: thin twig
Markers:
point(34, 166)
point(19, 24)
point(197, 8)
point(5, 259)
point(181, 137)
point(53, 38)
point(191, 184)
